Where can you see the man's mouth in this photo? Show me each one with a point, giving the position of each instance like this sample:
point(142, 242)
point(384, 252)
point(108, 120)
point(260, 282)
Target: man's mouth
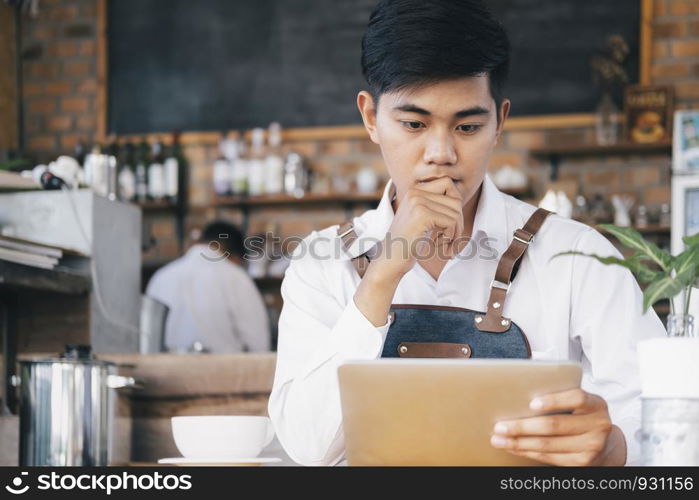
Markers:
point(434, 178)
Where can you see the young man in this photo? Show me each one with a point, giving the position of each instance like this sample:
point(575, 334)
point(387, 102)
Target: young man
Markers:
point(435, 106)
point(211, 298)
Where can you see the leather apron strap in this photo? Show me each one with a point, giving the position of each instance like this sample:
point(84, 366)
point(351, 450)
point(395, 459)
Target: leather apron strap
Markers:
point(506, 271)
point(348, 235)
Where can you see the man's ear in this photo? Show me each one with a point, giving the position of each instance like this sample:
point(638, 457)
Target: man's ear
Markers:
point(504, 113)
point(366, 106)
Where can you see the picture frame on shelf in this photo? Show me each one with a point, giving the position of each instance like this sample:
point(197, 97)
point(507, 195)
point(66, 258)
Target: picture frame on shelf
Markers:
point(685, 221)
point(648, 113)
point(685, 142)
point(685, 209)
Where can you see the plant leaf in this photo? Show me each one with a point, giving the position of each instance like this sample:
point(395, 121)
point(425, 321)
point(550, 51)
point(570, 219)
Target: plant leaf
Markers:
point(687, 260)
point(633, 263)
point(691, 240)
point(666, 287)
point(631, 238)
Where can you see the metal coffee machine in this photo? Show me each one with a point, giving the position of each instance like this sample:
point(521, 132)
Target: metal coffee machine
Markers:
point(67, 409)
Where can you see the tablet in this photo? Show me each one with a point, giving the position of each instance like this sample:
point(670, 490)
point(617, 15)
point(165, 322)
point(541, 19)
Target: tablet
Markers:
point(440, 411)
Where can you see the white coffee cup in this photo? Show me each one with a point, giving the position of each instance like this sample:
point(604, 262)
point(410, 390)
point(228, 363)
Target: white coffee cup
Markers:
point(222, 436)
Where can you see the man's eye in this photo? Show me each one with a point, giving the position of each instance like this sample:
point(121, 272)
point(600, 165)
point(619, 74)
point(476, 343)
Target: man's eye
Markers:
point(411, 125)
point(469, 129)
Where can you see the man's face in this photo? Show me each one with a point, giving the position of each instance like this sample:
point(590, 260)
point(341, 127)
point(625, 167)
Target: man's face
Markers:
point(445, 129)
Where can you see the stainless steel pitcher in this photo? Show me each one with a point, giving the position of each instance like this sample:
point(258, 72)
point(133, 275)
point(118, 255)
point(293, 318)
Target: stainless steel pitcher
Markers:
point(67, 409)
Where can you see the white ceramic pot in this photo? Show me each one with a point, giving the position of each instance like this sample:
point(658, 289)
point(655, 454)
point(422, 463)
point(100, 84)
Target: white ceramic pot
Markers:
point(669, 369)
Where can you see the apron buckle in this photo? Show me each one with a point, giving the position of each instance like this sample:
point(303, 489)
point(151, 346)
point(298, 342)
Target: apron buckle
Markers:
point(501, 285)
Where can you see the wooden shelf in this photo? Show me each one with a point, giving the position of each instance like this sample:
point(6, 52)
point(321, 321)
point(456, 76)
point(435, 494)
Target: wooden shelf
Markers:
point(285, 199)
point(157, 206)
point(59, 279)
point(622, 148)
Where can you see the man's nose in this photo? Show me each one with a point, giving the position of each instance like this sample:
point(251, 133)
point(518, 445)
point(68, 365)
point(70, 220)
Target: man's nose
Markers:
point(440, 149)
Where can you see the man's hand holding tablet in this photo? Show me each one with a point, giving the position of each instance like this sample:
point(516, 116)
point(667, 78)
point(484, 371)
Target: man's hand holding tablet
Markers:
point(583, 437)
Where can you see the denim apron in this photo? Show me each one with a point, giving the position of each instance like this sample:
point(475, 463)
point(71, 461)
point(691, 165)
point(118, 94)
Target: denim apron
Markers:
point(426, 331)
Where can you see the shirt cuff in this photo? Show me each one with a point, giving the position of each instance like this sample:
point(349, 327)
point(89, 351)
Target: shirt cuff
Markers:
point(630, 427)
point(356, 337)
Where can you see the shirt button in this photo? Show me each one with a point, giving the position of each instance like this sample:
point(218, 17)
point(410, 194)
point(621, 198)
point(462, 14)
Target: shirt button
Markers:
point(445, 302)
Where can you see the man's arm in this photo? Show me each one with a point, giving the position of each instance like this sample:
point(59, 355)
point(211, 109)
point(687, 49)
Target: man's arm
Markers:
point(585, 437)
point(317, 333)
point(606, 323)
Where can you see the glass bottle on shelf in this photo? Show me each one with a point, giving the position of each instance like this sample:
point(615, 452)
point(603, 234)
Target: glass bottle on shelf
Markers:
point(90, 165)
point(274, 164)
point(127, 177)
point(665, 216)
point(112, 168)
point(156, 172)
point(641, 220)
point(79, 152)
point(256, 163)
point(599, 213)
point(607, 126)
point(238, 167)
point(581, 209)
point(221, 174)
point(97, 171)
point(142, 162)
point(295, 176)
point(171, 169)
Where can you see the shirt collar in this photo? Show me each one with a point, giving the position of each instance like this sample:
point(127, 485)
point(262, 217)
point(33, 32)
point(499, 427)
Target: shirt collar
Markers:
point(490, 220)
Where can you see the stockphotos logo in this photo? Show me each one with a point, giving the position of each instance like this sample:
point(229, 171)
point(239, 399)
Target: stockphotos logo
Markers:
point(103, 482)
point(16, 488)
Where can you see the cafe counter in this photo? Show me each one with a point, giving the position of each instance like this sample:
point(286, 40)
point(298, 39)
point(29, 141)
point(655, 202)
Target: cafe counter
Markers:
point(169, 385)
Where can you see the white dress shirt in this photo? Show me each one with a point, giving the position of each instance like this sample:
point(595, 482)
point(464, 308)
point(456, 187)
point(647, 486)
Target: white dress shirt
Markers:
point(570, 308)
point(212, 301)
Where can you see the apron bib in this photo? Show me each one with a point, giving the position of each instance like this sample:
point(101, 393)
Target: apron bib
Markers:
point(425, 331)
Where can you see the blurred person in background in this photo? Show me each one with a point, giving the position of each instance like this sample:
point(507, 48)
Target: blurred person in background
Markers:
point(211, 298)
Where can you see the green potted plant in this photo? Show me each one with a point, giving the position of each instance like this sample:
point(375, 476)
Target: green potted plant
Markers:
point(666, 276)
point(668, 369)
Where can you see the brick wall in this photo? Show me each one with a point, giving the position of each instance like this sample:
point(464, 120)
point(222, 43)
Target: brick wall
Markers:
point(676, 48)
point(8, 81)
point(59, 76)
point(59, 67)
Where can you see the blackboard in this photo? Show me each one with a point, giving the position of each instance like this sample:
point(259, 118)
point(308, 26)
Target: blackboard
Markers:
point(231, 64)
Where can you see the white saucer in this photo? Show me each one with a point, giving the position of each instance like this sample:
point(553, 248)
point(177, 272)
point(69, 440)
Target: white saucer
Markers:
point(221, 462)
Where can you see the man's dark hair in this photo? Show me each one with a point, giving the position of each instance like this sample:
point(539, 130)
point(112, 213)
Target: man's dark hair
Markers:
point(227, 235)
point(412, 43)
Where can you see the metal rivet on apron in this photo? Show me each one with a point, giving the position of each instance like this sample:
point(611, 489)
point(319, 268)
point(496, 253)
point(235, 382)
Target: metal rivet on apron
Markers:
point(403, 349)
point(479, 319)
point(464, 350)
point(496, 305)
point(504, 322)
point(391, 317)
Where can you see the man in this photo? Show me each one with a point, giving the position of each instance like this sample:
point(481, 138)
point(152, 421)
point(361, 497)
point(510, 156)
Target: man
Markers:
point(212, 299)
point(435, 105)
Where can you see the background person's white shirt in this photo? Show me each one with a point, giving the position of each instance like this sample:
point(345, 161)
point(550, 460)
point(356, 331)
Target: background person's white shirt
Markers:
point(211, 300)
point(571, 308)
